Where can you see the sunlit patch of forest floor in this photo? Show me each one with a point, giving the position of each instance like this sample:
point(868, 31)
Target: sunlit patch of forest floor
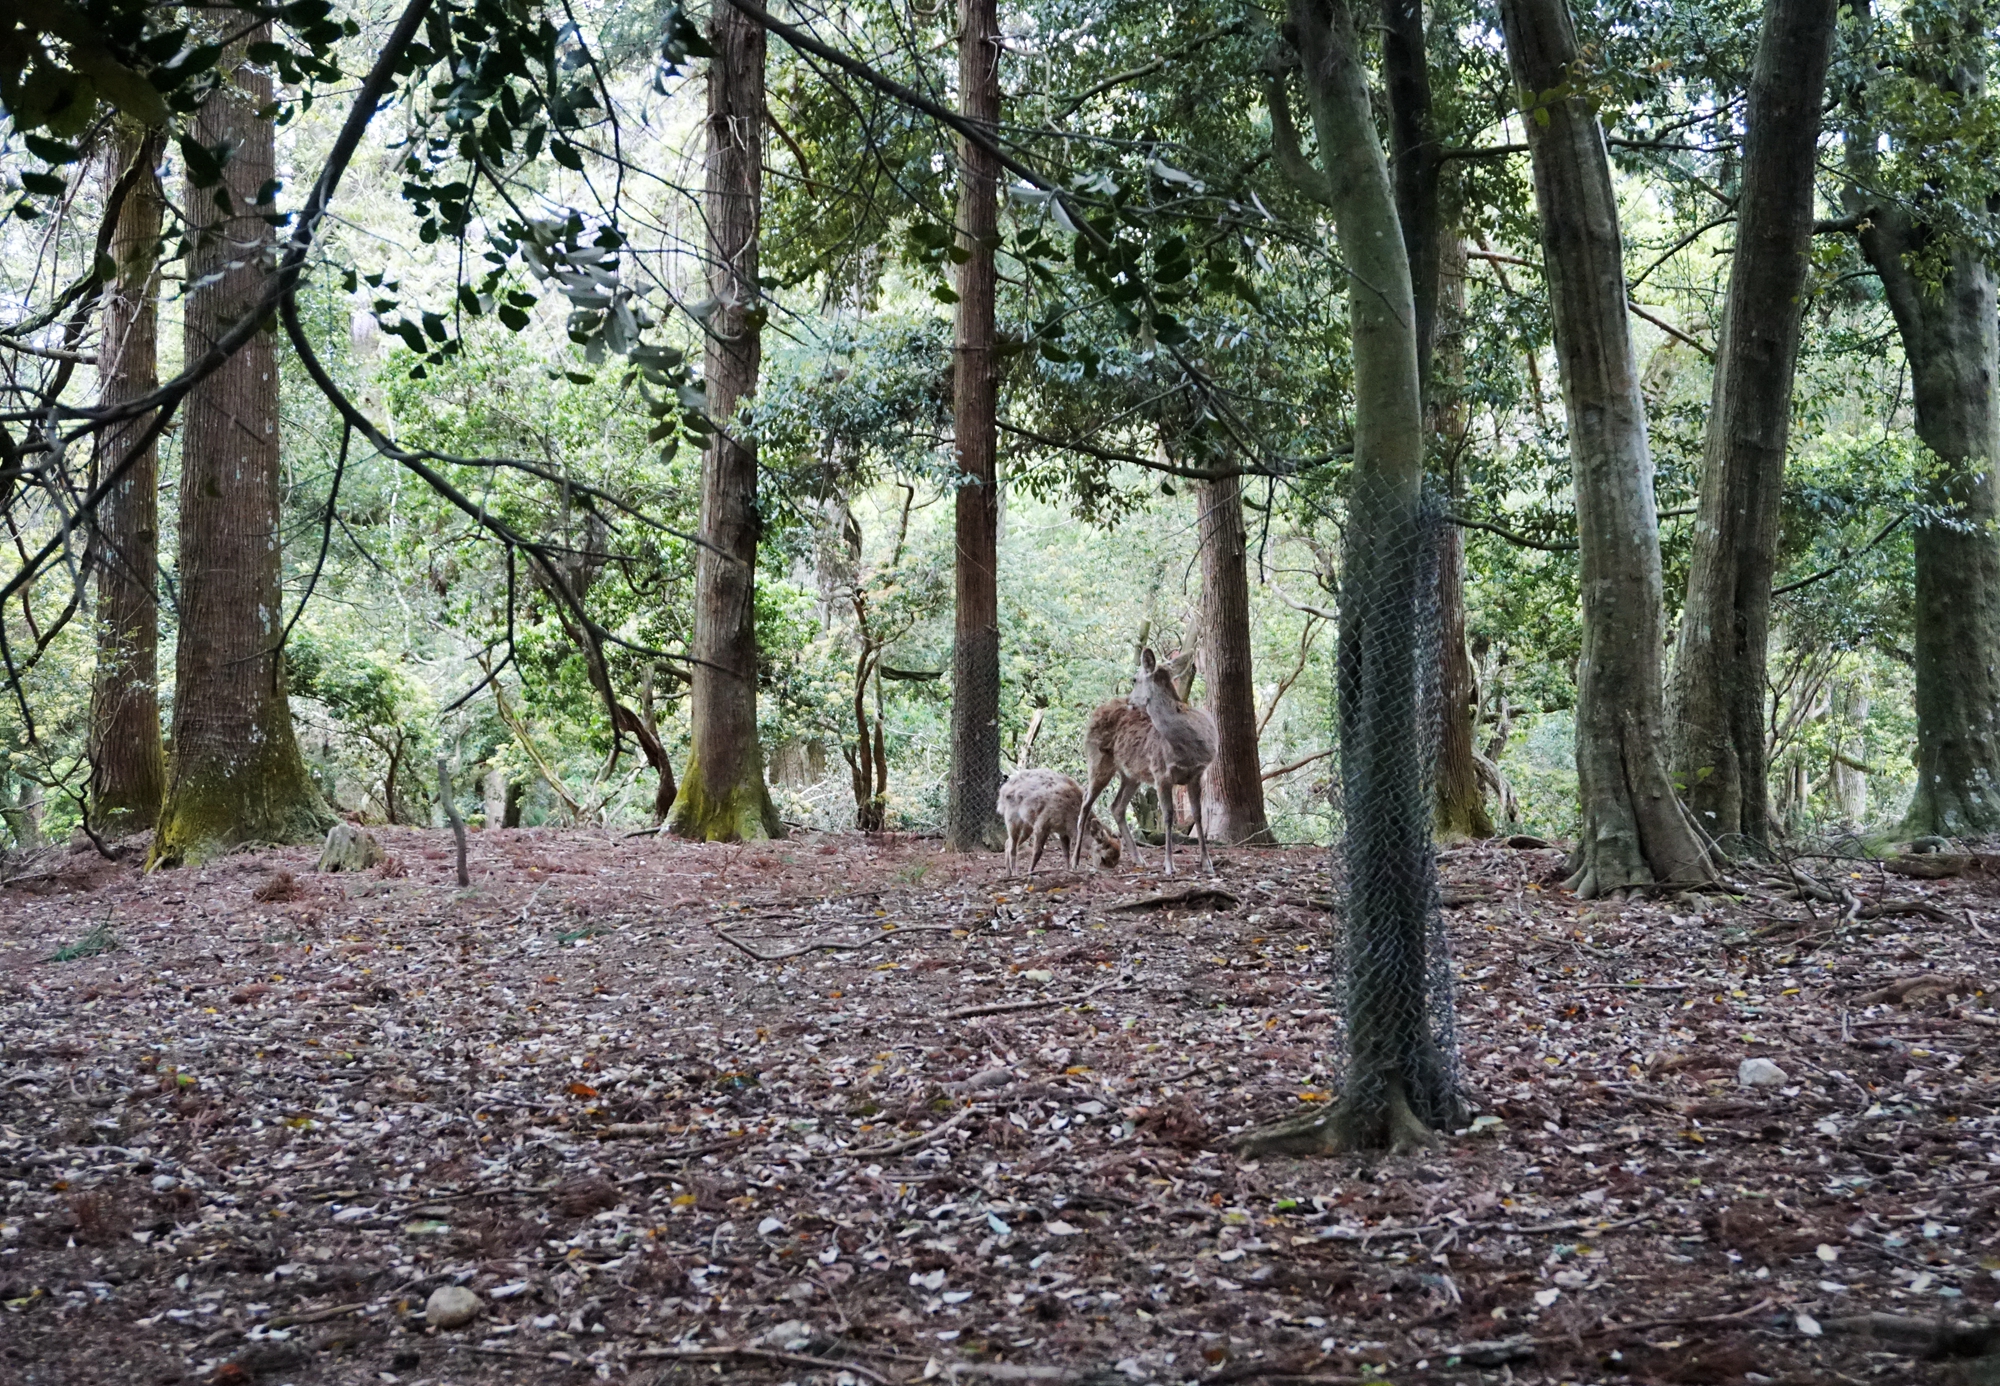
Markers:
point(953, 1124)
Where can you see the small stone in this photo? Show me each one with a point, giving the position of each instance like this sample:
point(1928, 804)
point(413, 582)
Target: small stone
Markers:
point(451, 1306)
point(1760, 1073)
point(349, 848)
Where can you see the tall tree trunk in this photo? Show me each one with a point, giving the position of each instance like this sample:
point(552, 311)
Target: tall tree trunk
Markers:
point(128, 760)
point(1398, 1086)
point(236, 775)
point(1716, 695)
point(722, 795)
point(972, 821)
point(1233, 786)
point(1458, 792)
point(1949, 340)
point(1437, 286)
point(1634, 829)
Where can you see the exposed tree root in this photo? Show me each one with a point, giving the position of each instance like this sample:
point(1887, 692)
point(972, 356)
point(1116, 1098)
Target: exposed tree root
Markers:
point(1350, 1126)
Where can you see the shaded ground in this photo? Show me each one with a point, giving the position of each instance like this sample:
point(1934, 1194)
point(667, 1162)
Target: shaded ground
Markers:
point(251, 1117)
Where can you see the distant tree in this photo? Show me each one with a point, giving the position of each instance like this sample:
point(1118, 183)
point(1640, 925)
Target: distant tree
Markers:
point(128, 759)
point(1718, 689)
point(723, 797)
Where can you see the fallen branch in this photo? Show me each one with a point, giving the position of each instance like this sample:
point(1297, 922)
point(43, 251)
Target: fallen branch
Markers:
point(1193, 895)
point(725, 1352)
point(909, 1143)
point(1939, 1337)
point(1003, 1007)
point(830, 945)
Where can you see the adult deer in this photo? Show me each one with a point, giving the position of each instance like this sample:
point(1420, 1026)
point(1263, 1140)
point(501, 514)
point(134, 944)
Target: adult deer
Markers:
point(1151, 738)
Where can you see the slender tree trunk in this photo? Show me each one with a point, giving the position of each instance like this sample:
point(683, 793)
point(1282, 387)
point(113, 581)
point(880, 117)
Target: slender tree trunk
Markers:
point(127, 757)
point(1233, 788)
point(722, 796)
point(1716, 695)
point(1414, 165)
point(237, 775)
point(1459, 794)
point(1634, 829)
point(1398, 1086)
point(972, 820)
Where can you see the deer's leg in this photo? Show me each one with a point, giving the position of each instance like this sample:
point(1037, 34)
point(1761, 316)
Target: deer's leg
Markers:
point(1127, 787)
point(1200, 827)
point(1166, 792)
point(1098, 779)
point(1013, 841)
point(1041, 841)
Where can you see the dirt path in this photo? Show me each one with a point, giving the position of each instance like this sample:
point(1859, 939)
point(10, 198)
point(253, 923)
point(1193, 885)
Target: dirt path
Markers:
point(251, 1118)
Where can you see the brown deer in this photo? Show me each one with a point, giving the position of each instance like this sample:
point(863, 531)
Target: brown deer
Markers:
point(1151, 738)
point(1040, 804)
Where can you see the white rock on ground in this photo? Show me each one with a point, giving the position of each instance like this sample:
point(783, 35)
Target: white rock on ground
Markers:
point(451, 1306)
point(1760, 1073)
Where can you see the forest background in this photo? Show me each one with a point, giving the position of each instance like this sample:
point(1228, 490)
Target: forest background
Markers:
point(1185, 351)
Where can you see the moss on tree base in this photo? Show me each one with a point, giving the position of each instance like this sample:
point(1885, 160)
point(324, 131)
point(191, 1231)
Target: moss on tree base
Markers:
point(741, 813)
point(211, 809)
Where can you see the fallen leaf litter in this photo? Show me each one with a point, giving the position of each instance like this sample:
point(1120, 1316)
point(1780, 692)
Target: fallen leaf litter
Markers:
point(844, 1110)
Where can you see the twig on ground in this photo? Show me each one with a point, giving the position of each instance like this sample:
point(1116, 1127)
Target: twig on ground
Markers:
point(831, 945)
point(1003, 1007)
point(909, 1143)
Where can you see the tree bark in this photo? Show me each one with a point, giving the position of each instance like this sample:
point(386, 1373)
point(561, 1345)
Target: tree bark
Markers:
point(1233, 789)
point(1458, 791)
point(128, 759)
point(237, 774)
point(1634, 831)
point(1398, 1086)
point(972, 820)
point(722, 796)
point(494, 790)
point(1716, 695)
point(1414, 166)
point(1949, 339)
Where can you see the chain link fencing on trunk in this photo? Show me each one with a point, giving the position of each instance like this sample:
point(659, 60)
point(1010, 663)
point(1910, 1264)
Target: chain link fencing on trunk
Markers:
point(1391, 957)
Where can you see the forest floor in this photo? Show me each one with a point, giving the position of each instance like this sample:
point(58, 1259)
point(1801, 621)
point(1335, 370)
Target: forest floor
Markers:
point(252, 1118)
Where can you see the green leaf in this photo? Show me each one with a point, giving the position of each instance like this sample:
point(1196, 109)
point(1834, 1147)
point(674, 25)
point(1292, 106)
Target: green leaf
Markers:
point(268, 192)
point(564, 153)
point(513, 317)
point(943, 294)
point(204, 165)
point(43, 184)
point(51, 151)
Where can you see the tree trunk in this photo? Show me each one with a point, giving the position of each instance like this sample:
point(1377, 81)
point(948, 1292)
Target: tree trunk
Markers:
point(1398, 1085)
point(494, 788)
point(1233, 786)
point(1634, 829)
point(722, 795)
point(1458, 791)
point(1414, 165)
point(972, 821)
point(128, 760)
point(1949, 339)
point(1717, 690)
point(236, 775)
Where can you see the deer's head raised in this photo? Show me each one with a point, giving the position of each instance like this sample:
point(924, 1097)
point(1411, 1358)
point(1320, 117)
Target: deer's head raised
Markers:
point(1154, 688)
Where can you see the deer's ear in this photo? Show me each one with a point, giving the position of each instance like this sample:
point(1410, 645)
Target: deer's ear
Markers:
point(1146, 661)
